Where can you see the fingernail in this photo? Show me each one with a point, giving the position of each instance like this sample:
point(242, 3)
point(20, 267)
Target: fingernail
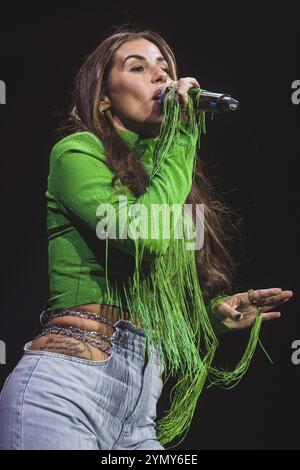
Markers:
point(238, 317)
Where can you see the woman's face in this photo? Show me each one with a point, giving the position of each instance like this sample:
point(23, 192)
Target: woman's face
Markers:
point(132, 82)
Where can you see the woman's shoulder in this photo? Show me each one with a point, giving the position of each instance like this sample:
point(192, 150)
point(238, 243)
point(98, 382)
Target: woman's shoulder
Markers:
point(79, 141)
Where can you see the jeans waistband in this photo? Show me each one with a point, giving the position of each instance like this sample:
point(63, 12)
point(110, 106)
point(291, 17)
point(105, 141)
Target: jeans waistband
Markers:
point(128, 325)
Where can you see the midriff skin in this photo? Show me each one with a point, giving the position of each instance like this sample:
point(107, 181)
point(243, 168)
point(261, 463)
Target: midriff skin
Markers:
point(74, 347)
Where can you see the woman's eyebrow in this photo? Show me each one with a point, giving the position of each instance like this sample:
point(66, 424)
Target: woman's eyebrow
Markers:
point(140, 57)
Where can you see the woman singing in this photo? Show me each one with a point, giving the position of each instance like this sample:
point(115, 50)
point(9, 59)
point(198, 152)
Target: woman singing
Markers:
point(133, 298)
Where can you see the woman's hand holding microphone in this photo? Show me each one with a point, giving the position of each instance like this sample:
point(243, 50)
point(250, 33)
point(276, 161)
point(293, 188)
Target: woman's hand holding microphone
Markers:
point(183, 85)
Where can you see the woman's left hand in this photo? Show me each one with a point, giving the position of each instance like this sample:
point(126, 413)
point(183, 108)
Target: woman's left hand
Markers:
point(237, 312)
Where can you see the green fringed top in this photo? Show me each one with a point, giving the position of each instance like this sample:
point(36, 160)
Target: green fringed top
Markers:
point(118, 262)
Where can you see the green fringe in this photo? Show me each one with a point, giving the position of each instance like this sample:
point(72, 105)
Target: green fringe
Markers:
point(218, 327)
point(168, 301)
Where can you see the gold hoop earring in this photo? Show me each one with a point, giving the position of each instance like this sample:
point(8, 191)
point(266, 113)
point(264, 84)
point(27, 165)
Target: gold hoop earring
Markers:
point(104, 105)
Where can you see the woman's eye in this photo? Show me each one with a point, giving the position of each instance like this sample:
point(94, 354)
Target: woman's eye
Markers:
point(141, 67)
point(138, 67)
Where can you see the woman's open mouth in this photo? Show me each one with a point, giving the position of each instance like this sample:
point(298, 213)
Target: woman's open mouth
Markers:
point(157, 105)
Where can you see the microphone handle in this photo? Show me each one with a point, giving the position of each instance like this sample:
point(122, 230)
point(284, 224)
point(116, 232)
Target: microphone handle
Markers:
point(208, 101)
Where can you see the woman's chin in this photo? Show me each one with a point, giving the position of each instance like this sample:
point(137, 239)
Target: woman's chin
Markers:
point(154, 119)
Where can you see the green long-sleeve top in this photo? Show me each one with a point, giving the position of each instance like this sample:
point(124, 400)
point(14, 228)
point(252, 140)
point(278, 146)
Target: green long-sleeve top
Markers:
point(79, 181)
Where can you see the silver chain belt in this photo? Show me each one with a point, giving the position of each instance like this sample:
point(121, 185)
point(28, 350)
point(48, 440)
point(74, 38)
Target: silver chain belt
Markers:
point(46, 315)
point(88, 336)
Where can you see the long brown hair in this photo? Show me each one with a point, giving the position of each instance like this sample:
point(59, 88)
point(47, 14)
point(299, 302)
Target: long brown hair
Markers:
point(215, 266)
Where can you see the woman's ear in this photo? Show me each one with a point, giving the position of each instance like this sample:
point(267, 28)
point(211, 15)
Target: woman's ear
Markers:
point(104, 104)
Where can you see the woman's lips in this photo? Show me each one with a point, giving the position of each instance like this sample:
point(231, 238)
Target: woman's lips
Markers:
point(157, 104)
point(157, 94)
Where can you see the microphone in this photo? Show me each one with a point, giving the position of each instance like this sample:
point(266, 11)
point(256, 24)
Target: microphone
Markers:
point(208, 101)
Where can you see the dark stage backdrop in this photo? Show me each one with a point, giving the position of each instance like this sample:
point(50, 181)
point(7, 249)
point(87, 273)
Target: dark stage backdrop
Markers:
point(251, 155)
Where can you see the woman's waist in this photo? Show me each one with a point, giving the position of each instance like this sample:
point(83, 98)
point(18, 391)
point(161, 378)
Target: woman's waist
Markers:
point(81, 326)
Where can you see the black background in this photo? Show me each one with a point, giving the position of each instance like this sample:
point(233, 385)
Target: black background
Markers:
point(252, 155)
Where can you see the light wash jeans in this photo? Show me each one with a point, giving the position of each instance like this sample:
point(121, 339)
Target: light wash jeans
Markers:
point(56, 401)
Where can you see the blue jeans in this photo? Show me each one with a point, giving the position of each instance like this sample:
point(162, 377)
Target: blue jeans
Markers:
point(57, 401)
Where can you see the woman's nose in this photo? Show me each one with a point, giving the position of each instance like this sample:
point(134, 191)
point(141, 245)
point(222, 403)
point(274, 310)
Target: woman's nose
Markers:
point(161, 75)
